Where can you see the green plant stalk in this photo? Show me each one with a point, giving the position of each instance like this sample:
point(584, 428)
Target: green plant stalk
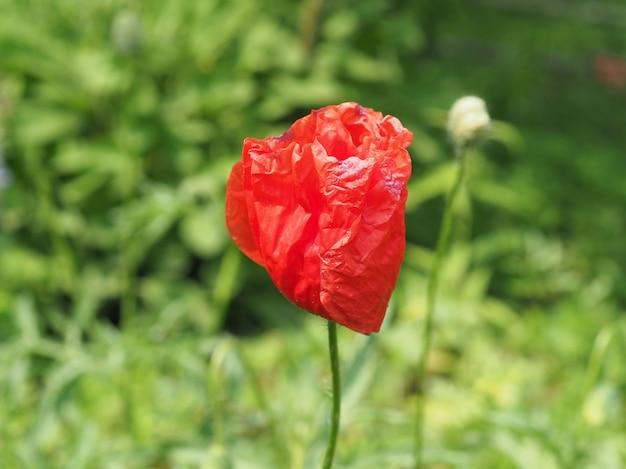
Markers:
point(336, 407)
point(216, 395)
point(311, 16)
point(225, 286)
point(131, 404)
point(594, 367)
point(431, 295)
point(597, 360)
point(47, 210)
point(282, 451)
point(128, 307)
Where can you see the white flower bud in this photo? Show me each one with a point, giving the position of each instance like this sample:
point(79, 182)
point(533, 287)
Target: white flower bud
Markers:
point(468, 121)
point(126, 33)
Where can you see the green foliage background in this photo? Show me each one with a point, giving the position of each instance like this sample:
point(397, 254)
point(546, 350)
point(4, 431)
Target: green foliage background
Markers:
point(134, 334)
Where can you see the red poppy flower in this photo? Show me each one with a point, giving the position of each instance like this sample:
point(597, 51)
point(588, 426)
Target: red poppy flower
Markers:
point(321, 207)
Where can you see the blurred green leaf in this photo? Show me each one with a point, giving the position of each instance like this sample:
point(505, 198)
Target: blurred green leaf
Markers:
point(38, 125)
point(203, 231)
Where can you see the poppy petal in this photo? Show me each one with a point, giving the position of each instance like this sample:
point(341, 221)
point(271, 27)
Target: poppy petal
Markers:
point(322, 208)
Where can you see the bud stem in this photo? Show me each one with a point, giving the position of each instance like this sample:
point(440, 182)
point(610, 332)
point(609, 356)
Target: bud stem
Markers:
point(431, 295)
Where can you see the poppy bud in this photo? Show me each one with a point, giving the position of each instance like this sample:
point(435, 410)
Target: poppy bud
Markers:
point(321, 207)
point(126, 33)
point(468, 121)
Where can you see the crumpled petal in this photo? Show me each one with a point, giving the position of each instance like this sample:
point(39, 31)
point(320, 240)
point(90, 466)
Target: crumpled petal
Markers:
point(321, 207)
point(237, 218)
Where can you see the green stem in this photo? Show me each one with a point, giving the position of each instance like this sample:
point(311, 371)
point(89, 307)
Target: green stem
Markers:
point(594, 367)
point(217, 396)
point(309, 24)
point(336, 409)
point(431, 295)
point(282, 451)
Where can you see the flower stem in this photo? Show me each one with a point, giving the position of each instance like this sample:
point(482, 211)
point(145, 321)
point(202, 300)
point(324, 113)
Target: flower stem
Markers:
point(431, 294)
point(309, 24)
point(336, 408)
